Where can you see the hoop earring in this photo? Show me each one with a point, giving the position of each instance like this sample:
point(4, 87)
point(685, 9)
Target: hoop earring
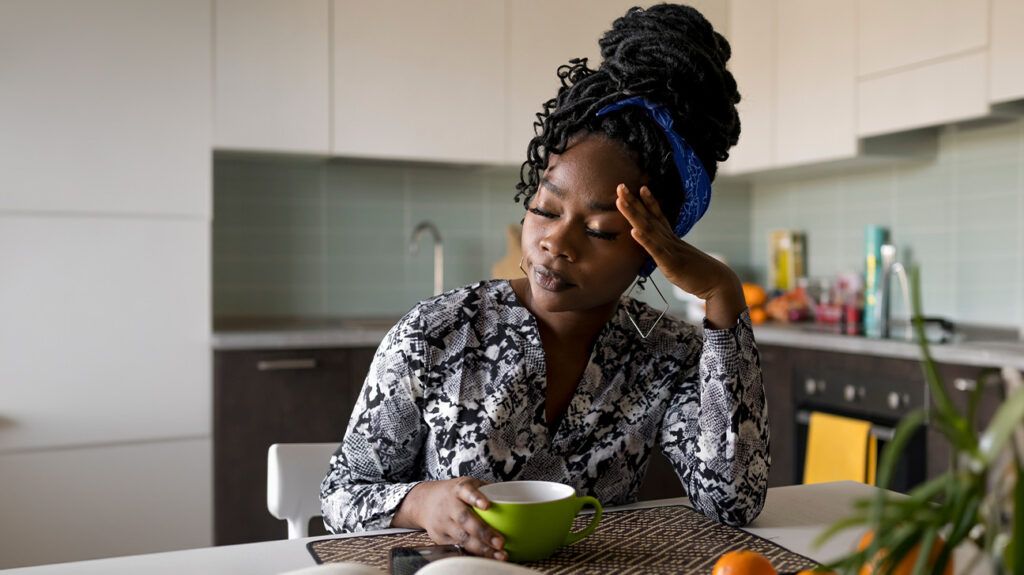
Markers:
point(521, 266)
point(633, 320)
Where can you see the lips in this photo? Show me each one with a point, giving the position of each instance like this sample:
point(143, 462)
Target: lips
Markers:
point(549, 279)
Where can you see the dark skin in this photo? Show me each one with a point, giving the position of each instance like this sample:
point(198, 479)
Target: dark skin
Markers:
point(589, 229)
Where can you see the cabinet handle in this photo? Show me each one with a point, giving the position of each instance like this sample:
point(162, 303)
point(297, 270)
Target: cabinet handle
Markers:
point(964, 384)
point(284, 364)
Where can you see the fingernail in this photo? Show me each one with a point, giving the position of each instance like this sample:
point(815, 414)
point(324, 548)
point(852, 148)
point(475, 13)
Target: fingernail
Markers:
point(500, 556)
point(496, 543)
point(481, 503)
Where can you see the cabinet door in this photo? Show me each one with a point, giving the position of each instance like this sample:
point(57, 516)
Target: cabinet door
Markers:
point(272, 90)
point(752, 36)
point(108, 313)
point(105, 106)
point(815, 87)
point(909, 32)
point(104, 501)
point(924, 95)
point(1006, 51)
point(419, 80)
point(267, 397)
point(777, 371)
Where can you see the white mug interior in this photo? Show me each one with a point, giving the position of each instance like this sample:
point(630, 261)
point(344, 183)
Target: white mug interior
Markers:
point(527, 492)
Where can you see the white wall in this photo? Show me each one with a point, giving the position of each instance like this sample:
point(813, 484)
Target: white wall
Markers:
point(104, 278)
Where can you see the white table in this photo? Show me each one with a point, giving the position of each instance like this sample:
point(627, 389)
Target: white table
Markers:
point(793, 516)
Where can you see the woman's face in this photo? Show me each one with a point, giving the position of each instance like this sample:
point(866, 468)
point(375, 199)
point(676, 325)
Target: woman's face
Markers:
point(578, 251)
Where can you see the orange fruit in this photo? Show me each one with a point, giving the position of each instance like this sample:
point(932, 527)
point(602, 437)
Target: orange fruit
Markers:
point(743, 562)
point(906, 565)
point(758, 316)
point(754, 294)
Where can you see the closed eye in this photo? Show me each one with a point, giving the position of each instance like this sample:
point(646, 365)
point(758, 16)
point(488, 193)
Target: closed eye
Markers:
point(592, 233)
point(542, 213)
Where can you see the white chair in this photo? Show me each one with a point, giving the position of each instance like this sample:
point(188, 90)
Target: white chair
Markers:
point(294, 473)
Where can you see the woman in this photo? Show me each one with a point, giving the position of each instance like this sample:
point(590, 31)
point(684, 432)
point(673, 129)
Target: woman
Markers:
point(556, 376)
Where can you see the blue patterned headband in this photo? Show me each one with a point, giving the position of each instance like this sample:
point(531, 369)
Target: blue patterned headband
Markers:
point(696, 184)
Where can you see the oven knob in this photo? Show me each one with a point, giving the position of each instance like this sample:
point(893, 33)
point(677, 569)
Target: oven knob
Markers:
point(850, 393)
point(810, 386)
point(894, 400)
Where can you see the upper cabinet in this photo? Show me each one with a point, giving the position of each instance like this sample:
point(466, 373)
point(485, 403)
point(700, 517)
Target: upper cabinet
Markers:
point(910, 32)
point(1007, 51)
point(419, 80)
point(814, 82)
point(105, 107)
point(752, 36)
point(908, 51)
point(272, 75)
point(797, 104)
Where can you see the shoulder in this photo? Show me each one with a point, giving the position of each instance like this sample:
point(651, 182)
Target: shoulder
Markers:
point(455, 310)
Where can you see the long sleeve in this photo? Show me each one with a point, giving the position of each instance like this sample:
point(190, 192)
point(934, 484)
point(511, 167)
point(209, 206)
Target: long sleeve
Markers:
point(715, 430)
point(378, 462)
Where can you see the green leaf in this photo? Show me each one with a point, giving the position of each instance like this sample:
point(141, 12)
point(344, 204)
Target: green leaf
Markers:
point(839, 526)
point(943, 403)
point(1009, 415)
point(890, 456)
point(925, 551)
point(1015, 552)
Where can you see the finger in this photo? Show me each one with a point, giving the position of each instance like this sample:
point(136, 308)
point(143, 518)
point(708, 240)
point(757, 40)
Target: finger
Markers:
point(491, 542)
point(466, 537)
point(468, 491)
point(652, 204)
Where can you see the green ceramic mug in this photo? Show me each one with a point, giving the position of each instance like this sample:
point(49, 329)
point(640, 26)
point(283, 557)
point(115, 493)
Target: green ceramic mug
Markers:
point(536, 516)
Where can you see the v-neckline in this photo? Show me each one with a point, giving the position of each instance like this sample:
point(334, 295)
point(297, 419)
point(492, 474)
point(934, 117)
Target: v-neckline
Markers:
point(560, 433)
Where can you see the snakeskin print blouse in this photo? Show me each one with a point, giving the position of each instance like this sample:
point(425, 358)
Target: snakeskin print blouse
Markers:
point(457, 388)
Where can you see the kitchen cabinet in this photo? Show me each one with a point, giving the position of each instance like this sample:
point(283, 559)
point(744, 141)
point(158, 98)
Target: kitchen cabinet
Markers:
point(104, 500)
point(924, 96)
point(272, 75)
point(107, 313)
point(894, 35)
point(105, 210)
point(1006, 51)
point(752, 36)
point(419, 80)
point(105, 107)
point(907, 53)
point(266, 397)
point(815, 87)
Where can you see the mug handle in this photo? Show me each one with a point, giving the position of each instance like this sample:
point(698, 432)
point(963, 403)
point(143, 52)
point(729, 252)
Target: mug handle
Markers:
point(575, 536)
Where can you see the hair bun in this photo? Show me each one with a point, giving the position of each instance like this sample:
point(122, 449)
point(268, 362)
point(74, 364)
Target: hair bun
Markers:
point(666, 43)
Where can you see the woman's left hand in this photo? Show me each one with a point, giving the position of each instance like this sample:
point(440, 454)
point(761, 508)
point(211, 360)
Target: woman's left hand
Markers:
point(684, 265)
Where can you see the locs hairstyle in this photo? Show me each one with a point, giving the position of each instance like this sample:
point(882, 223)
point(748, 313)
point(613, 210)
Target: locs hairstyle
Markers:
point(667, 53)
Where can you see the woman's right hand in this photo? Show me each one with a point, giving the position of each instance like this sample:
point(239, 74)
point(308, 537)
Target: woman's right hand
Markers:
point(443, 508)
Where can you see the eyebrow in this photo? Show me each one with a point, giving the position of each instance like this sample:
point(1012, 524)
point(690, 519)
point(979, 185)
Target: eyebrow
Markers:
point(561, 193)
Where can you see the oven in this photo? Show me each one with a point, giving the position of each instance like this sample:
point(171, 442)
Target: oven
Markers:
point(879, 397)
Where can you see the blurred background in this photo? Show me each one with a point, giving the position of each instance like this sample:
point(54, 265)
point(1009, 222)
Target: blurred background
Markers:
point(208, 213)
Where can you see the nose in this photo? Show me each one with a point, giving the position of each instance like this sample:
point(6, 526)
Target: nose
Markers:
point(560, 242)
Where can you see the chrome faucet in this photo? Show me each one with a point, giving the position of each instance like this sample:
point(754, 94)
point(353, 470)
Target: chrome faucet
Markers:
point(890, 268)
point(414, 248)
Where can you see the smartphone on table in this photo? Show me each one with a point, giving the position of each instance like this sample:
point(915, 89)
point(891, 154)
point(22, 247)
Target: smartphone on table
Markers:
point(408, 560)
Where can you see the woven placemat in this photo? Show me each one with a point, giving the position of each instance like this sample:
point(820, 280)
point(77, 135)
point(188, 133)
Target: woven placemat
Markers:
point(673, 539)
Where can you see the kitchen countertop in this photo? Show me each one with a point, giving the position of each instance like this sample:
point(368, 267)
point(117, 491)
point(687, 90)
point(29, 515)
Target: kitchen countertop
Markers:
point(988, 347)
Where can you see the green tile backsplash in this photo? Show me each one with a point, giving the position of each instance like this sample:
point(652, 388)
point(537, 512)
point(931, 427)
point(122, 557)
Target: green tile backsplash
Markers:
point(299, 237)
point(330, 238)
point(959, 215)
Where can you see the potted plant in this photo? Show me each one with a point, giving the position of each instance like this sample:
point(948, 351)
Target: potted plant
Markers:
point(980, 500)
